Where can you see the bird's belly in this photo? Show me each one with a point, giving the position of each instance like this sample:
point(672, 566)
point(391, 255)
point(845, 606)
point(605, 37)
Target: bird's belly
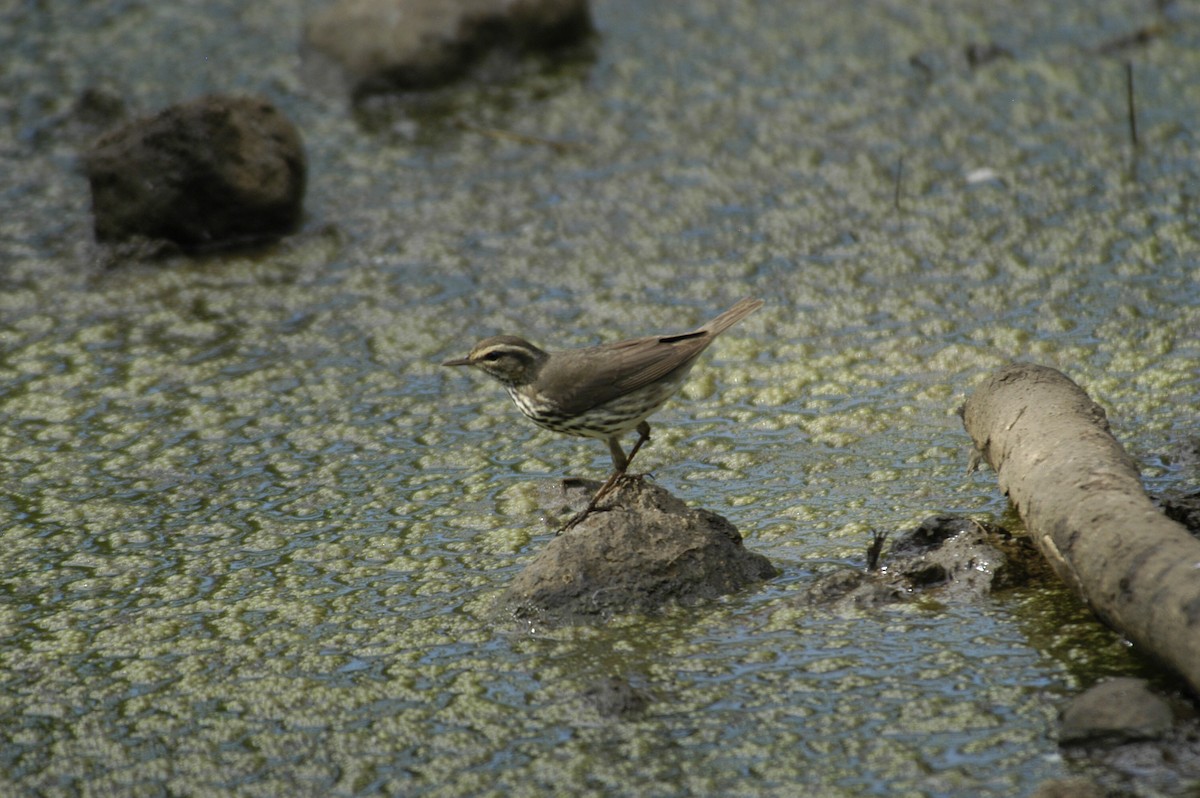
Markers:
point(615, 417)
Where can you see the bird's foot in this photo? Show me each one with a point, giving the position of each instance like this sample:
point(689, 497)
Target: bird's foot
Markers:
point(617, 479)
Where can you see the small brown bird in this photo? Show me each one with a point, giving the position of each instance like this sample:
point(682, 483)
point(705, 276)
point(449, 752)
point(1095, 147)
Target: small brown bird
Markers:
point(601, 391)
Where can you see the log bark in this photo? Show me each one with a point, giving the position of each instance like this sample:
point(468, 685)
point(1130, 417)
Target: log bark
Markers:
point(1081, 498)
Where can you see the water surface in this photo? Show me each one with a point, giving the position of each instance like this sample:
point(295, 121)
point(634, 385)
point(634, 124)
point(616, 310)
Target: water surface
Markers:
point(254, 531)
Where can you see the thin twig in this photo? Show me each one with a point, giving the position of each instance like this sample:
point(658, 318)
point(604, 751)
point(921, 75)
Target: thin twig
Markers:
point(1129, 101)
point(875, 550)
point(899, 177)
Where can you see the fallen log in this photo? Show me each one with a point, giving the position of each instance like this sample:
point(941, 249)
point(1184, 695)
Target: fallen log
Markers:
point(1080, 496)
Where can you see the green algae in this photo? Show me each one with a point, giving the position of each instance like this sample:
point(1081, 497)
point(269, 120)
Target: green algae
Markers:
point(253, 531)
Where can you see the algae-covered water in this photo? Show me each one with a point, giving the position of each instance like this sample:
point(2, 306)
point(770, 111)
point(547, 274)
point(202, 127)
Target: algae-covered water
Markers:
point(252, 530)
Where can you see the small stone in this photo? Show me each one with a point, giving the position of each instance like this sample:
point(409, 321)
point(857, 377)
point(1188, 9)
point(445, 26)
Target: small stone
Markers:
point(1075, 787)
point(615, 697)
point(1118, 710)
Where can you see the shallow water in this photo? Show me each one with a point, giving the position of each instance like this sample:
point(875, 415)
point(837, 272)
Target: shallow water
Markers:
point(254, 531)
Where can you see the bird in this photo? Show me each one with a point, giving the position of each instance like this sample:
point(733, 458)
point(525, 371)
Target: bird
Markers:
point(600, 391)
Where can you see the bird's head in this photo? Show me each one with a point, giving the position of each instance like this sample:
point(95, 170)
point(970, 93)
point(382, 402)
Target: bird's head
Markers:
point(511, 360)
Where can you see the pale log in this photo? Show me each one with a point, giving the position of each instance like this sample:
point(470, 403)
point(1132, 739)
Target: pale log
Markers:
point(1080, 496)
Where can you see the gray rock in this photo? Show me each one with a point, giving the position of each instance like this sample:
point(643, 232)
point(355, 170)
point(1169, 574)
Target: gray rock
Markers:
point(1118, 710)
point(642, 549)
point(212, 172)
point(414, 44)
point(1074, 787)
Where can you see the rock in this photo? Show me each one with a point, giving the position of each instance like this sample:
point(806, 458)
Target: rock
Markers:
point(1183, 509)
point(1118, 710)
point(641, 549)
point(614, 697)
point(957, 557)
point(961, 556)
point(212, 172)
point(847, 588)
point(414, 44)
point(1074, 787)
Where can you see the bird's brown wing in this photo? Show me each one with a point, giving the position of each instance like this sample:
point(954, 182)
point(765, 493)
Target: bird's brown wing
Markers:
point(601, 374)
point(594, 376)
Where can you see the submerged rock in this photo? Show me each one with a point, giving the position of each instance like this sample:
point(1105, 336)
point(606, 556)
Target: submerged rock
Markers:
point(1072, 787)
point(616, 697)
point(415, 44)
point(642, 549)
point(212, 172)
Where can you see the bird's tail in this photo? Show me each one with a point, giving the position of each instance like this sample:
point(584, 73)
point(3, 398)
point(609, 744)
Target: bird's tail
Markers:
point(731, 317)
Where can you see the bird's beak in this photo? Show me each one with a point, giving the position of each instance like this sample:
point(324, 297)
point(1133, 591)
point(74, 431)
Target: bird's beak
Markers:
point(458, 361)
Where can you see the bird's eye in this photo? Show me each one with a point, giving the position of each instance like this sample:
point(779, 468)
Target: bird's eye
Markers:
point(492, 357)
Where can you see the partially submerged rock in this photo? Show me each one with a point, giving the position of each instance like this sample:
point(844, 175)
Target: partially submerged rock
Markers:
point(212, 172)
point(1138, 740)
point(956, 557)
point(1116, 711)
point(1182, 509)
point(643, 548)
point(1071, 787)
point(415, 44)
point(964, 557)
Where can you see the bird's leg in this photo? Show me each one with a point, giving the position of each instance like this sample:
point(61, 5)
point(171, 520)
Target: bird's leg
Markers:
point(608, 485)
point(620, 461)
point(643, 431)
point(620, 465)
